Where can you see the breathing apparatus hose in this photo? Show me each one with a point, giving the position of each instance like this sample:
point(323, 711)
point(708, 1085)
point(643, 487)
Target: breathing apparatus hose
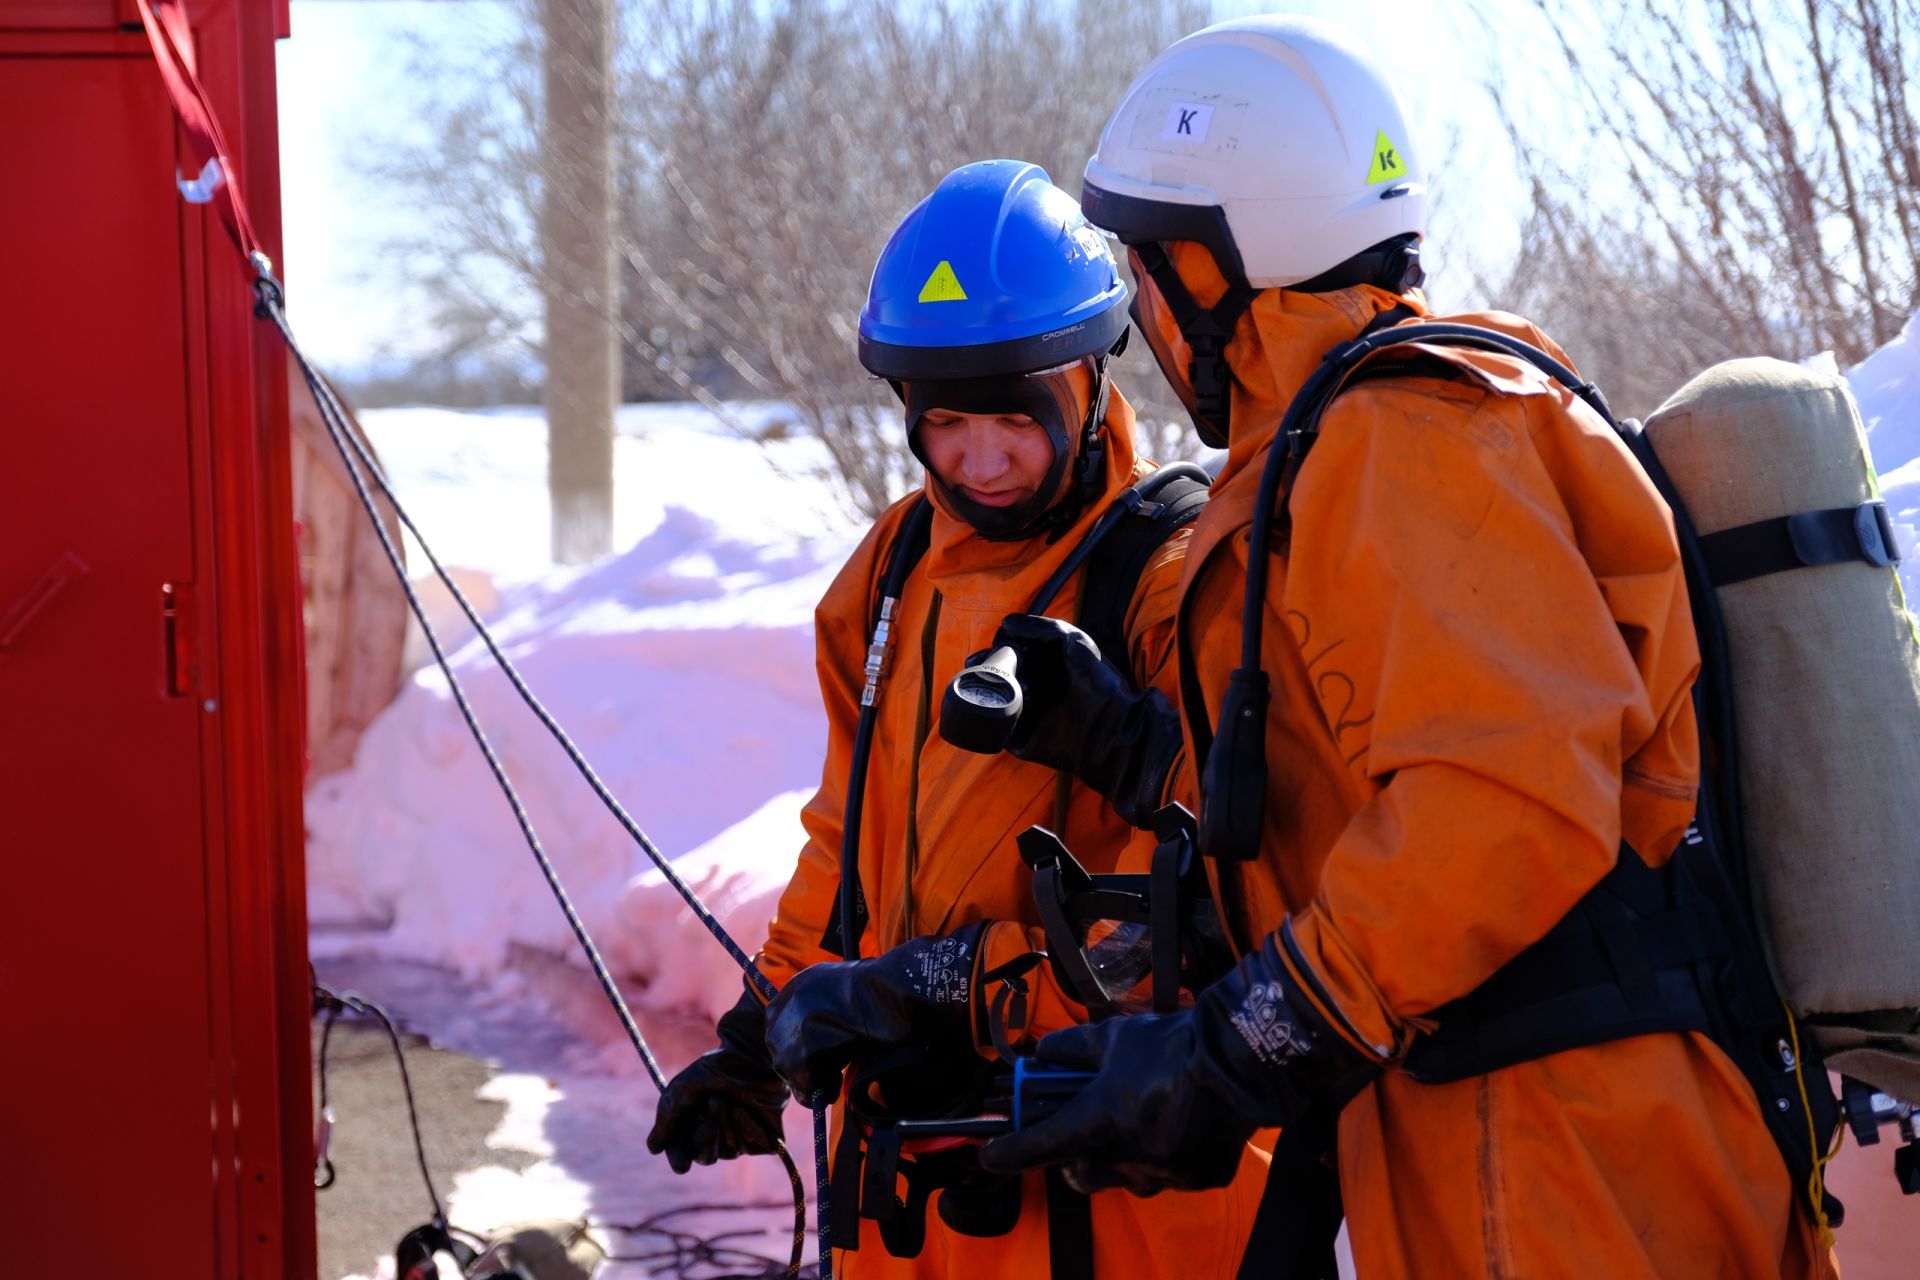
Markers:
point(1231, 751)
point(361, 465)
point(849, 913)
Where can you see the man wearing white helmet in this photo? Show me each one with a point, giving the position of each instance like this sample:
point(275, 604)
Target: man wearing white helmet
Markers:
point(1458, 739)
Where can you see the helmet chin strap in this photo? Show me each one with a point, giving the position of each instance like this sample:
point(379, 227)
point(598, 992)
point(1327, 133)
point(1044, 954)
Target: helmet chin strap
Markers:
point(1207, 332)
point(1090, 461)
point(1090, 468)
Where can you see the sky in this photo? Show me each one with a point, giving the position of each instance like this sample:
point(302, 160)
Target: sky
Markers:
point(346, 82)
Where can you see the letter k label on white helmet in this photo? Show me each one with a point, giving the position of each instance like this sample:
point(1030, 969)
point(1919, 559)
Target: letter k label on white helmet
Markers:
point(1188, 121)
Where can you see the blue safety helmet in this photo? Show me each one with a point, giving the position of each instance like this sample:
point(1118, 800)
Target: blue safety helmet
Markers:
point(991, 290)
point(997, 272)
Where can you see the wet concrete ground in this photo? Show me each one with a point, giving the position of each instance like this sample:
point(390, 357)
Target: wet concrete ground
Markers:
point(559, 1133)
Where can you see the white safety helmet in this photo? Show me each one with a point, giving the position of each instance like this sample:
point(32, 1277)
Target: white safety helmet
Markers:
point(1276, 144)
point(1274, 141)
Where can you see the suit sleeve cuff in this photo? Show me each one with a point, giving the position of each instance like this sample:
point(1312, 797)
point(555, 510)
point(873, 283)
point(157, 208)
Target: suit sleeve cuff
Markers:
point(1335, 979)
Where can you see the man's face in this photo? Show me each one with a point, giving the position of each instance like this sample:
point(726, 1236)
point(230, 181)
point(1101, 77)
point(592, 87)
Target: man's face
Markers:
point(991, 460)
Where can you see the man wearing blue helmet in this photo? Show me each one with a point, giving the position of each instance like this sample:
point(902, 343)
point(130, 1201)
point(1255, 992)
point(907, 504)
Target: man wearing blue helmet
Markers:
point(905, 944)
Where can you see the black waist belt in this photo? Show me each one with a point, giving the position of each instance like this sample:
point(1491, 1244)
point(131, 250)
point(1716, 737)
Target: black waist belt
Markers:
point(1624, 962)
point(1631, 958)
point(1646, 950)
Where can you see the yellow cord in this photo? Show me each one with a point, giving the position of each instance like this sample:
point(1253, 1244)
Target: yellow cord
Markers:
point(1817, 1183)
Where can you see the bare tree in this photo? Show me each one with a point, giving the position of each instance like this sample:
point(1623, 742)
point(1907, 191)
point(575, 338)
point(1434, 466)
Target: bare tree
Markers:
point(765, 151)
point(478, 169)
point(775, 150)
point(1719, 178)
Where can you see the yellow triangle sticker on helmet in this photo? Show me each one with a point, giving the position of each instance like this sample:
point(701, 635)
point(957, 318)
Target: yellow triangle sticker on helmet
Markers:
point(1387, 162)
point(942, 285)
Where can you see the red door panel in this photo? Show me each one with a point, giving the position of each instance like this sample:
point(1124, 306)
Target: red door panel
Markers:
point(104, 952)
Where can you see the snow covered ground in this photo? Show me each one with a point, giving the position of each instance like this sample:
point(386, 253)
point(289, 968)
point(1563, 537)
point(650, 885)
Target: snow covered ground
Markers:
point(1887, 384)
point(682, 665)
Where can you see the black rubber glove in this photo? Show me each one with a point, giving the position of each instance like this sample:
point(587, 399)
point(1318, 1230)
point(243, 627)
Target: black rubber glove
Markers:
point(1175, 1096)
point(1080, 716)
point(830, 1016)
point(727, 1102)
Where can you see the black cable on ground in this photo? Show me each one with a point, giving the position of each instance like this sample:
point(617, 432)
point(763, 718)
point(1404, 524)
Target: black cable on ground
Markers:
point(323, 1170)
point(355, 456)
point(681, 1253)
point(335, 1002)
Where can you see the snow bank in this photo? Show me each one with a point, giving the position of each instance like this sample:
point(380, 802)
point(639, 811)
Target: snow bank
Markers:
point(1887, 384)
point(475, 480)
point(682, 666)
point(739, 875)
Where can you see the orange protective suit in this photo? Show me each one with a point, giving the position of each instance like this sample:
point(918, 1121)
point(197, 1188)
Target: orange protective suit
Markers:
point(1479, 645)
point(937, 852)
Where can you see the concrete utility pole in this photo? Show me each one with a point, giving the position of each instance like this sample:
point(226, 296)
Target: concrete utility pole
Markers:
point(581, 286)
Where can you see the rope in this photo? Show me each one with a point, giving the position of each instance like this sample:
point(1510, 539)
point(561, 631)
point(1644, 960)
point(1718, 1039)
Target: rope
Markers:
point(761, 984)
point(270, 305)
point(169, 33)
point(360, 465)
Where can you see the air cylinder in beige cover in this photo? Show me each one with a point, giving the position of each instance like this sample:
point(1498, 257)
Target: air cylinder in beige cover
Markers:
point(1826, 681)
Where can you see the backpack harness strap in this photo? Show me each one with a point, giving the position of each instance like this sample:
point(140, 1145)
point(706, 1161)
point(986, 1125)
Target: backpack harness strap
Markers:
point(1171, 499)
point(1647, 949)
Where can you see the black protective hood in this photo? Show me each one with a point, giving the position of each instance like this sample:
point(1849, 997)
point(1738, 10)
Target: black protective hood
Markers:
point(1048, 398)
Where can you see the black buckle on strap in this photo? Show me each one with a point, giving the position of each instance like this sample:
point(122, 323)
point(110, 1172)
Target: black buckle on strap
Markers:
point(1874, 529)
point(1207, 372)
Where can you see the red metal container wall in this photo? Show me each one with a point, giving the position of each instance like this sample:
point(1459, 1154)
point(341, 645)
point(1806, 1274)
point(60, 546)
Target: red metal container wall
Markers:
point(156, 1074)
